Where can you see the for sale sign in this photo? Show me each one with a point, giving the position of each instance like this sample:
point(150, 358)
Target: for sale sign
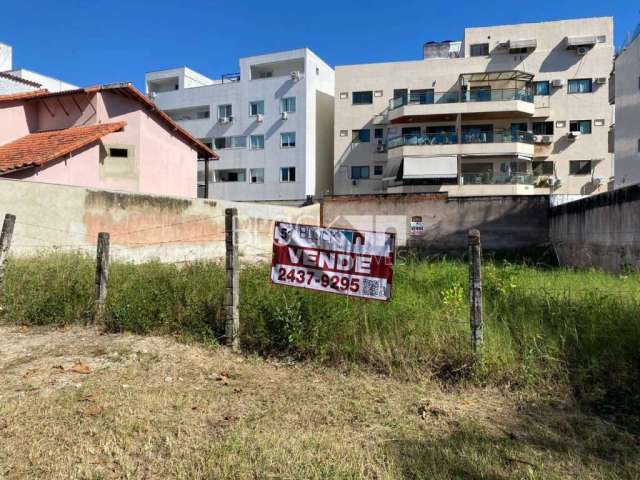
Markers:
point(337, 260)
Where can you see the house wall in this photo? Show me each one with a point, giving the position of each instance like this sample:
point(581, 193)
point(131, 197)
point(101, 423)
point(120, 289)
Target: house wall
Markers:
point(17, 121)
point(602, 231)
point(307, 154)
point(550, 60)
point(506, 222)
point(627, 105)
point(141, 227)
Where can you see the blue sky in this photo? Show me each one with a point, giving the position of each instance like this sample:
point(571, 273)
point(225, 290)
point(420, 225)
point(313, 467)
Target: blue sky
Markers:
point(87, 41)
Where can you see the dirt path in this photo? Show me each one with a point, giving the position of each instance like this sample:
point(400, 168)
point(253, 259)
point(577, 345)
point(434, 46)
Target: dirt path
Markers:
point(79, 404)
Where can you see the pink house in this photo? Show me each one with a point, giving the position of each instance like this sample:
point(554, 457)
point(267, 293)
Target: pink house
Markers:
point(106, 137)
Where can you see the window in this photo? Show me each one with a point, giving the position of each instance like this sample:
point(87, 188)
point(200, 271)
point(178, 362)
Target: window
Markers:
point(360, 173)
point(288, 139)
point(584, 85)
point(377, 170)
point(378, 133)
point(580, 167)
point(238, 142)
point(288, 174)
point(236, 175)
point(265, 74)
point(256, 108)
point(362, 98)
point(257, 142)
point(361, 136)
point(119, 152)
point(225, 111)
point(479, 50)
point(541, 88)
point(542, 168)
point(582, 126)
point(288, 105)
point(220, 143)
point(344, 95)
point(256, 175)
point(543, 128)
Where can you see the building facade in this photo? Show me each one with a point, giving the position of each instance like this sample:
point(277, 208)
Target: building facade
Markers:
point(271, 124)
point(627, 106)
point(107, 137)
point(515, 109)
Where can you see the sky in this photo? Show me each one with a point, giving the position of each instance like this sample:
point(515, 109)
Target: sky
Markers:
point(86, 42)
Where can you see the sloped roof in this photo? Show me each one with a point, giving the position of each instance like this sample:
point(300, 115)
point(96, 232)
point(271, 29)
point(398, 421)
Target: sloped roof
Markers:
point(43, 147)
point(127, 90)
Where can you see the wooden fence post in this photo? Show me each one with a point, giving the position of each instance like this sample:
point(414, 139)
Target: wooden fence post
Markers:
point(232, 288)
point(475, 292)
point(102, 275)
point(5, 242)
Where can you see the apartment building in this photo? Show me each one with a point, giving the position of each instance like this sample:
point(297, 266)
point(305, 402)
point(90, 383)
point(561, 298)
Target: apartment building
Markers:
point(271, 124)
point(627, 106)
point(508, 110)
point(16, 80)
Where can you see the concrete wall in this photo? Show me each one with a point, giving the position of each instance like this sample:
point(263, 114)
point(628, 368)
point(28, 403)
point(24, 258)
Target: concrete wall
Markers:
point(550, 60)
point(307, 156)
point(142, 227)
point(504, 222)
point(627, 129)
point(602, 231)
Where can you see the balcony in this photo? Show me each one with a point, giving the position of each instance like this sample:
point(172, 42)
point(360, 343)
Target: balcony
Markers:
point(501, 179)
point(472, 144)
point(505, 94)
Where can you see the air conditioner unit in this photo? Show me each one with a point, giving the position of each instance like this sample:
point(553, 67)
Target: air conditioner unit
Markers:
point(573, 135)
point(597, 180)
point(547, 139)
point(153, 95)
point(223, 119)
point(556, 182)
point(231, 118)
point(285, 115)
point(537, 139)
point(380, 148)
point(354, 182)
point(601, 80)
point(558, 82)
point(295, 76)
point(259, 117)
point(580, 51)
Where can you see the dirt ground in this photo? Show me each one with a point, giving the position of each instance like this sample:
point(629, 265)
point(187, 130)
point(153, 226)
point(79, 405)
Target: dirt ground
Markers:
point(76, 403)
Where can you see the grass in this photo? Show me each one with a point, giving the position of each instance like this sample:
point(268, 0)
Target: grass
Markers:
point(155, 408)
point(554, 329)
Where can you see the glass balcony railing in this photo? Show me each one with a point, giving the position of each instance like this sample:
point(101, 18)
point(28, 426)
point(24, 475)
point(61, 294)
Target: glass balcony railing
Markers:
point(480, 95)
point(498, 179)
point(467, 138)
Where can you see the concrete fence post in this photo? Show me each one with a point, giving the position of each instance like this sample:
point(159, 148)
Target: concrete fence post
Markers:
point(5, 242)
point(475, 292)
point(232, 286)
point(102, 275)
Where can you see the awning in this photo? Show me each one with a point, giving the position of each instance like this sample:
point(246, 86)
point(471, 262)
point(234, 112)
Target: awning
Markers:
point(581, 41)
point(430, 167)
point(530, 44)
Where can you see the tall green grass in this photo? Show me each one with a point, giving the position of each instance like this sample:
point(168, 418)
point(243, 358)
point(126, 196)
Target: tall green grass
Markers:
point(542, 326)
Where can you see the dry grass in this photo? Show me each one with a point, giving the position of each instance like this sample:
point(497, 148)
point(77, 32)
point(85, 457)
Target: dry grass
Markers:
point(154, 408)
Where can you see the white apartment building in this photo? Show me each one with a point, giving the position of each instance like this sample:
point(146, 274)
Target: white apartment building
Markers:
point(627, 105)
point(509, 110)
point(271, 124)
point(16, 80)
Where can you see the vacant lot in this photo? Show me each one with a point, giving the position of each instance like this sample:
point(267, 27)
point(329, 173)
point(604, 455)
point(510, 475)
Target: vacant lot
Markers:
point(75, 403)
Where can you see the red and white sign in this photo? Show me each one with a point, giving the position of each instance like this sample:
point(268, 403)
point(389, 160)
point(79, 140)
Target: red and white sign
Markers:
point(337, 260)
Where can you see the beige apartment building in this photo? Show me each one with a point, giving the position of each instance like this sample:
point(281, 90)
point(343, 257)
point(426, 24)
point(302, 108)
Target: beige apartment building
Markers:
point(509, 110)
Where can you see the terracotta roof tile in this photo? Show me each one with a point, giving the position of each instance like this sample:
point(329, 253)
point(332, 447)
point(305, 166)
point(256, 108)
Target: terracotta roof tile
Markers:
point(132, 92)
point(43, 147)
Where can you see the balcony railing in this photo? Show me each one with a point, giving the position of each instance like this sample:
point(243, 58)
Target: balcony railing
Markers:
point(467, 138)
point(498, 179)
point(494, 95)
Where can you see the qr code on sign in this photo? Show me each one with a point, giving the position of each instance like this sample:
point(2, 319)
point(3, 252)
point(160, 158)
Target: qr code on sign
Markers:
point(372, 288)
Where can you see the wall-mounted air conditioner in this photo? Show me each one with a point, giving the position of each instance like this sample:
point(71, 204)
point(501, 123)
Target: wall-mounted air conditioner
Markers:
point(601, 80)
point(557, 82)
point(581, 51)
point(285, 115)
point(537, 139)
point(295, 76)
point(259, 117)
point(573, 135)
point(380, 148)
point(223, 120)
point(547, 139)
point(597, 180)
